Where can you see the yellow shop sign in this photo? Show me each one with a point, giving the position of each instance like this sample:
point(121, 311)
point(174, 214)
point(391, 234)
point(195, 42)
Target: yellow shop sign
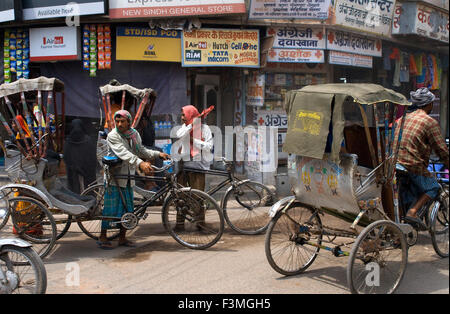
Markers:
point(146, 44)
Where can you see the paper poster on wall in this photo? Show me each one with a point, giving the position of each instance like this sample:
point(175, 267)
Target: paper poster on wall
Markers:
point(255, 90)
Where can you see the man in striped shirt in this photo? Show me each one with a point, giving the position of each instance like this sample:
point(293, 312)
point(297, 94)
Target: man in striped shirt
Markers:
point(421, 136)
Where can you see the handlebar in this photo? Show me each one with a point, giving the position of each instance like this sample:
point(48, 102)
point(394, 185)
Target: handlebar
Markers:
point(168, 164)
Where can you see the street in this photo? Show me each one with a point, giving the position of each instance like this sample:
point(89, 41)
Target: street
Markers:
point(235, 265)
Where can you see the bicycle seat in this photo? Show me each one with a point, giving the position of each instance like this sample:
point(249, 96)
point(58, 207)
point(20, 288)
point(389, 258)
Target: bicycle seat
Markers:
point(111, 161)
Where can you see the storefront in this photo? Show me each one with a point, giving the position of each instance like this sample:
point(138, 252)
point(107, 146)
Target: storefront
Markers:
point(427, 25)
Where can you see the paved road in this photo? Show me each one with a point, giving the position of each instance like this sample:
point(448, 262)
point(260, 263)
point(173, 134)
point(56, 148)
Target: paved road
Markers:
point(237, 264)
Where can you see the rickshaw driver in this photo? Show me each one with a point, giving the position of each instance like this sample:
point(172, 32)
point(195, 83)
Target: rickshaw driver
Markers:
point(125, 142)
point(421, 135)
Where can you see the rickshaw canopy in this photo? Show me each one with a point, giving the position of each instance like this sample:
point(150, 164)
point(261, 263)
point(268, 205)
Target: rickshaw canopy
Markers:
point(27, 85)
point(135, 92)
point(311, 109)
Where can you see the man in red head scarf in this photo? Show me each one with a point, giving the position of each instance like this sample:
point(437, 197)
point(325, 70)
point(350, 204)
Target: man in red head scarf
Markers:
point(198, 154)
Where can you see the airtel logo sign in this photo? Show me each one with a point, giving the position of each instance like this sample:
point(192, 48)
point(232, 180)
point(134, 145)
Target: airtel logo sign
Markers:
point(58, 40)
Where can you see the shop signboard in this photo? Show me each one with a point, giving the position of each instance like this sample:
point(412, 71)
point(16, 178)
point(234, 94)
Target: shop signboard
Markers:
point(296, 55)
point(46, 9)
point(221, 48)
point(55, 43)
point(255, 90)
point(270, 118)
point(297, 37)
point(422, 20)
point(289, 9)
point(123, 9)
point(9, 10)
point(146, 44)
point(370, 16)
point(352, 43)
point(350, 59)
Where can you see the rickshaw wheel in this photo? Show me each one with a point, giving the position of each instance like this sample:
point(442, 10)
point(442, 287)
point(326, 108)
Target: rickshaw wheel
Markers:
point(439, 226)
point(378, 259)
point(91, 226)
point(31, 221)
point(289, 238)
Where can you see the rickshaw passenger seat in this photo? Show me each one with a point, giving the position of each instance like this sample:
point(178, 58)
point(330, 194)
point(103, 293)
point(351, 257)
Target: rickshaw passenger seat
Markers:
point(111, 161)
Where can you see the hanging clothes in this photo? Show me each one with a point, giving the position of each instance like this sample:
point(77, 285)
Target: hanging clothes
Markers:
point(404, 67)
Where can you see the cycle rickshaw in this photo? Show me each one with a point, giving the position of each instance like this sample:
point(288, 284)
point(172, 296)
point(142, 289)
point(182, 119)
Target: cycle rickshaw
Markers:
point(36, 206)
point(345, 166)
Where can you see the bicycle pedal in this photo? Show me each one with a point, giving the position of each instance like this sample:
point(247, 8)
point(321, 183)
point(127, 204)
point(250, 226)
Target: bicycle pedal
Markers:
point(144, 216)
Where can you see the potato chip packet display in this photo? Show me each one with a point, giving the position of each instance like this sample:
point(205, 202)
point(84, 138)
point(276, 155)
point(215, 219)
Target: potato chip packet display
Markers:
point(13, 66)
point(6, 63)
point(26, 74)
point(101, 65)
point(93, 72)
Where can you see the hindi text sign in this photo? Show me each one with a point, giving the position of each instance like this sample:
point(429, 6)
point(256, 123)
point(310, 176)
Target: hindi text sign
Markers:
point(221, 47)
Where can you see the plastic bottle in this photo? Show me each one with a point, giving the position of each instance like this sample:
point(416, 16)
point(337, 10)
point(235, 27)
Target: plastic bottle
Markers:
point(166, 129)
point(156, 129)
point(161, 129)
point(169, 128)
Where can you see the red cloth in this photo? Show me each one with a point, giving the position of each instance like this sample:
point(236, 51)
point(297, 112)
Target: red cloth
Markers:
point(190, 113)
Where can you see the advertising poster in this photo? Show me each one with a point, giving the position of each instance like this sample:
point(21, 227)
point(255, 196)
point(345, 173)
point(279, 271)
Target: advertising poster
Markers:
point(55, 43)
point(289, 9)
point(45, 9)
point(255, 90)
point(297, 37)
point(122, 9)
point(372, 16)
point(221, 47)
point(146, 44)
point(352, 43)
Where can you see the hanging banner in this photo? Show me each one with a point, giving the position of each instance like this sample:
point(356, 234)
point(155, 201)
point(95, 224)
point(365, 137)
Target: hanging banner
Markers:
point(55, 43)
point(46, 9)
point(221, 47)
point(146, 44)
point(413, 18)
point(351, 43)
point(122, 9)
point(297, 37)
point(9, 10)
point(371, 16)
point(350, 59)
point(289, 9)
point(255, 90)
point(296, 55)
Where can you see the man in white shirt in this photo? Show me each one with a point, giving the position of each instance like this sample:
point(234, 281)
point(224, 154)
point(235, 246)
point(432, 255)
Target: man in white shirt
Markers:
point(196, 155)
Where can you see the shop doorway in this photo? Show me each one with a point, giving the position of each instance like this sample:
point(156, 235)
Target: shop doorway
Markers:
point(346, 74)
point(207, 93)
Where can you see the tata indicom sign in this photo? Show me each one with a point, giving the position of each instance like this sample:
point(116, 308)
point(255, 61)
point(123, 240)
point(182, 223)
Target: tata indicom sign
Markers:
point(46, 9)
point(121, 9)
point(54, 43)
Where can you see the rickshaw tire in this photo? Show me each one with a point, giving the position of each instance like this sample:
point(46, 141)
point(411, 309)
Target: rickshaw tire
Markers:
point(35, 262)
point(435, 220)
point(354, 252)
point(43, 208)
point(269, 233)
point(260, 229)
